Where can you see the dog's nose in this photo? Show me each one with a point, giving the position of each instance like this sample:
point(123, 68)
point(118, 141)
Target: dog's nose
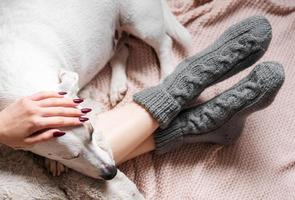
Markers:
point(109, 172)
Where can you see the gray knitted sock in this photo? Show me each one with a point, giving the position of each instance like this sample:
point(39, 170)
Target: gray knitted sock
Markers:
point(236, 49)
point(221, 119)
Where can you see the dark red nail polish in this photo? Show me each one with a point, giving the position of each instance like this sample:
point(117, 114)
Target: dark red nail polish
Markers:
point(78, 100)
point(86, 110)
point(83, 119)
point(62, 93)
point(58, 133)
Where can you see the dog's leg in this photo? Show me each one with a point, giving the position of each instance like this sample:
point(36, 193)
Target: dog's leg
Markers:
point(153, 22)
point(54, 167)
point(119, 78)
point(143, 25)
point(161, 43)
point(69, 82)
point(163, 48)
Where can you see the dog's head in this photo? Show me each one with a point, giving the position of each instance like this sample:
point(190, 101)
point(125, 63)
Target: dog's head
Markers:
point(82, 149)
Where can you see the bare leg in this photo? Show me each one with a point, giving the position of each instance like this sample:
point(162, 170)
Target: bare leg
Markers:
point(125, 128)
point(145, 147)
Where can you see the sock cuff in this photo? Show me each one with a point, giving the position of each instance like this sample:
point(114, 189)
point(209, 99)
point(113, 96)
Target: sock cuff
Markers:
point(160, 104)
point(168, 139)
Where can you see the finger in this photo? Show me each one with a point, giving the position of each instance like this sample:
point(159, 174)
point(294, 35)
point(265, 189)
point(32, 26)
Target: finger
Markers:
point(53, 122)
point(58, 102)
point(44, 136)
point(44, 95)
point(61, 111)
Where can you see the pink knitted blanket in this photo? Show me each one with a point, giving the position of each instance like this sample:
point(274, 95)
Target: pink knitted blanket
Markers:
point(261, 165)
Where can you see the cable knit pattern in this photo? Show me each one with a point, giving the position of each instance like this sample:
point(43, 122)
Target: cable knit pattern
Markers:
point(260, 165)
point(236, 49)
point(198, 123)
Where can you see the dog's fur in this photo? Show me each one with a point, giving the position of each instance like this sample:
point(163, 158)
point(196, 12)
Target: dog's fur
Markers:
point(61, 45)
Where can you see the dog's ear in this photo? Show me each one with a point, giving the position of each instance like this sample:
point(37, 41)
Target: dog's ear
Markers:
point(69, 82)
point(90, 129)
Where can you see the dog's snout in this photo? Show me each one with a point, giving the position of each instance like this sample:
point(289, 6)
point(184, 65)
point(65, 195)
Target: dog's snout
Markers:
point(109, 172)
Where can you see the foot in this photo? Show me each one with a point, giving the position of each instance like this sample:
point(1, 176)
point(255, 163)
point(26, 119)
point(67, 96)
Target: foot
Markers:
point(236, 49)
point(216, 121)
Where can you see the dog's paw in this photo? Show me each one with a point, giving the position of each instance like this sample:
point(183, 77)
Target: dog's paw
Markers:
point(54, 167)
point(117, 92)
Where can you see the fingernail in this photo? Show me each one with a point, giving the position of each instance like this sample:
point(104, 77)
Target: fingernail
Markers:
point(86, 110)
point(78, 100)
point(83, 119)
point(58, 133)
point(62, 93)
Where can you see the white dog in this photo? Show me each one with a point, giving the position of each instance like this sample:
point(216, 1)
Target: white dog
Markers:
point(61, 45)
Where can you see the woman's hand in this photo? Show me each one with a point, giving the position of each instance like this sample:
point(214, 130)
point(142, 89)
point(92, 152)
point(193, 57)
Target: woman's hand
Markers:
point(36, 118)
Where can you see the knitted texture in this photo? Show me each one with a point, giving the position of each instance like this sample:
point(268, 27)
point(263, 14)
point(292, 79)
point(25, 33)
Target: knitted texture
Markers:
point(202, 123)
point(260, 164)
point(236, 49)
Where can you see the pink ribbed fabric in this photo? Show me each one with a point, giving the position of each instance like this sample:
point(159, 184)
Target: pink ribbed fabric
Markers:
point(261, 165)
